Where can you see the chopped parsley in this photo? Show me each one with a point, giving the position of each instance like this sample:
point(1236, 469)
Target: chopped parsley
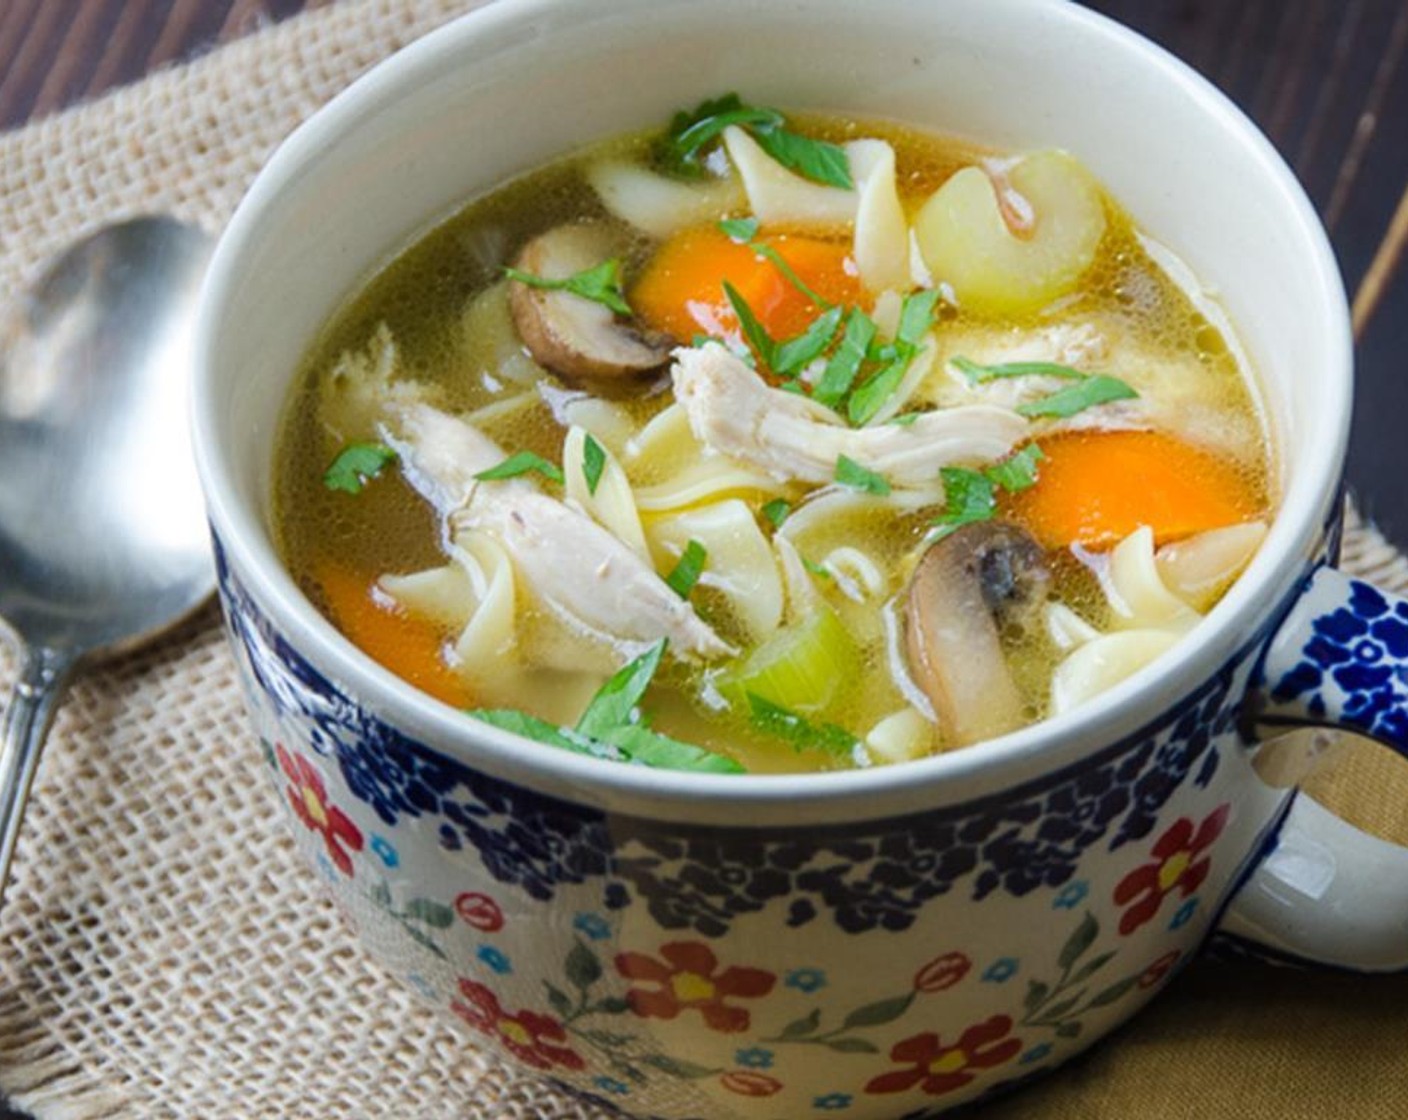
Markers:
point(687, 570)
point(601, 284)
point(693, 132)
point(971, 496)
point(518, 464)
point(852, 474)
point(1088, 390)
point(356, 465)
point(804, 735)
point(613, 726)
point(776, 511)
point(593, 463)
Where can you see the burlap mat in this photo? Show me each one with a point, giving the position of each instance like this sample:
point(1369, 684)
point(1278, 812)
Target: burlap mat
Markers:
point(165, 952)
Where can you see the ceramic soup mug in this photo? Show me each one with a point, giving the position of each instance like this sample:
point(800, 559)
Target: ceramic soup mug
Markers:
point(888, 942)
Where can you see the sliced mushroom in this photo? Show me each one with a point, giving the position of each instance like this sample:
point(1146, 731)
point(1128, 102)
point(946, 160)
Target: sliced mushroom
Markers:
point(968, 590)
point(570, 335)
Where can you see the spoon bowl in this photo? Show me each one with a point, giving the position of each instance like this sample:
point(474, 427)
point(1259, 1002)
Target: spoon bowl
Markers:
point(103, 540)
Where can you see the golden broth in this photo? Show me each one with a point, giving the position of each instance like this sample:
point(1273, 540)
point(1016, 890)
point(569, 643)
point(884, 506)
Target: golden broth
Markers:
point(422, 295)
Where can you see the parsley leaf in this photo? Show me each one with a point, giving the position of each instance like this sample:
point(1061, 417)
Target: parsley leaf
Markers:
point(742, 230)
point(905, 419)
point(818, 160)
point(613, 728)
point(776, 511)
point(801, 733)
point(916, 317)
point(977, 373)
point(754, 331)
point(650, 748)
point(1017, 472)
point(845, 362)
point(870, 398)
point(356, 465)
point(600, 284)
point(593, 463)
point(1095, 389)
point(794, 355)
point(969, 496)
point(688, 569)
point(852, 474)
point(521, 463)
point(617, 701)
point(818, 570)
point(692, 131)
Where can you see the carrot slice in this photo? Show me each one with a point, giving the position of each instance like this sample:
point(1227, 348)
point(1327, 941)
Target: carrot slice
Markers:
point(1095, 488)
point(681, 290)
point(407, 646)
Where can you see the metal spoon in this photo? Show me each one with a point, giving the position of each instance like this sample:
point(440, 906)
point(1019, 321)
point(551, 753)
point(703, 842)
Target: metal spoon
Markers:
point(103, 538)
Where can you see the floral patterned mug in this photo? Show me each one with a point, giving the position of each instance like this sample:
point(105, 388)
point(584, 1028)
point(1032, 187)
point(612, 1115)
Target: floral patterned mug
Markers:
point(883, 943)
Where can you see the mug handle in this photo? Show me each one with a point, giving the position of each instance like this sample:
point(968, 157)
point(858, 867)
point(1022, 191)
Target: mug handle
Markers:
point(1327, 893)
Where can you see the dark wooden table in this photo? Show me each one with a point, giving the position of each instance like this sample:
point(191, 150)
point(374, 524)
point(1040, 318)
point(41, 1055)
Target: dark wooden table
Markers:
point(1324, 78)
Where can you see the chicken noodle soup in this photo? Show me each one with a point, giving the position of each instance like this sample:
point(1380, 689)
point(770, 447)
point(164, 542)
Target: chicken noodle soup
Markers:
point(771, 442)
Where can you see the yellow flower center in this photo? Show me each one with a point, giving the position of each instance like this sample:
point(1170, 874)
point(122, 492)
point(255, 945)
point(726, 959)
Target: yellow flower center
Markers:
point(950, 1061)
point(511, 1030)
point(1173, 870)
point(314, 807)
point(690, 987)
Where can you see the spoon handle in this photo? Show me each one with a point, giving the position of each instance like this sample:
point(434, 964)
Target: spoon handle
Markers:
point(43, 676)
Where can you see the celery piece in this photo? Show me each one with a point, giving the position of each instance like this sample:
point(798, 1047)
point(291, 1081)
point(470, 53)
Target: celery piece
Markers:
point(801, 667)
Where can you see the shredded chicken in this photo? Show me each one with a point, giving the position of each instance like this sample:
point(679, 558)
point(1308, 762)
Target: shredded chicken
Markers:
point(733, 411)
point(584, 573)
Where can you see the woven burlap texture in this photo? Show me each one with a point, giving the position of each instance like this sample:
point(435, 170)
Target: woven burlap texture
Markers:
point(165, 952)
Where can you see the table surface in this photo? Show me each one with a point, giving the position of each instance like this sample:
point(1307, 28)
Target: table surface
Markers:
point(1324, 78)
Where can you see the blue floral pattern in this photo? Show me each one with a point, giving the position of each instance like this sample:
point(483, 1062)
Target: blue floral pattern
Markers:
point(1348, 668)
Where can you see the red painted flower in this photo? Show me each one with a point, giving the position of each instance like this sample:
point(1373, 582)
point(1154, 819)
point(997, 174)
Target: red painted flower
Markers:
point(480, 911)
point(1159, 969)
point(750, 1083)
point(1178, 864)
point(309, 799)
point(937, 1068)
point(942, 972)
point(530, 1037)
point(688, 978)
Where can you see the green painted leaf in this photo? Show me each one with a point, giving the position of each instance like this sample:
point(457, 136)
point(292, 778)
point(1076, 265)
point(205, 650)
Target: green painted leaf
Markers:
point(1097, 389)
point(1080, 940)
point(882, 1011)
point(852, 1046)
point(612, 1005)
point(583, 968)
point(1114, 992)
point(609, 1038)
point(616, 702)
point(356, 465)
point(421, 939)
point(521, 463)
point(852, 474)
point(678, 1067)
point(800, 1028)
point(1092, 966)
point(434, 914)
point(557, 998)
point(1036, 995)
point(1062, 1009)
point(1071, 1029)
point(687, 570)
